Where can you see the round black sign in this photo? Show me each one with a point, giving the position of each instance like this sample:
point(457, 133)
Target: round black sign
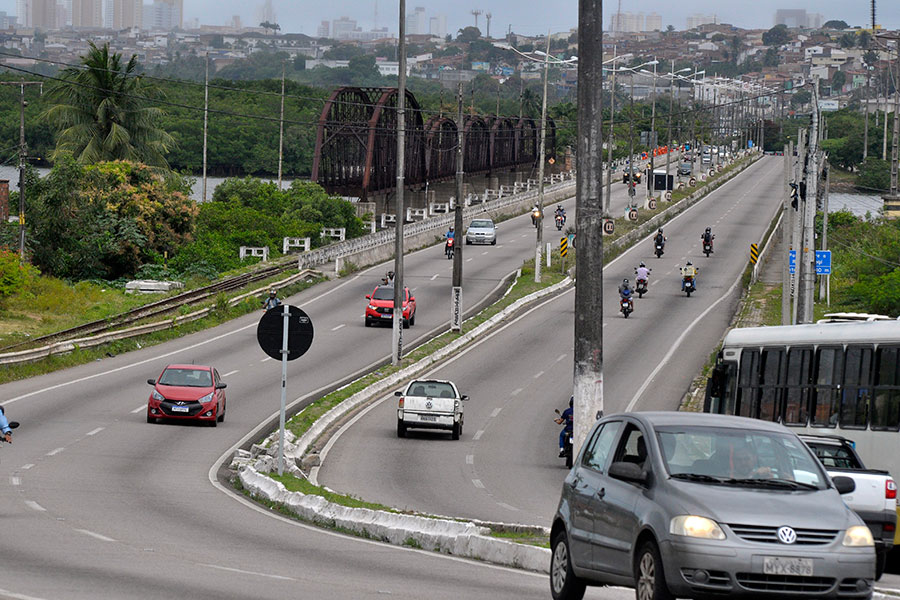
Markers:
point(633, 214)
point(270, 332)
point(652, 204)
point(609, 226)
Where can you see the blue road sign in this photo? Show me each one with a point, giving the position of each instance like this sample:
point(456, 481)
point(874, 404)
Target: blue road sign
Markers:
point(792, 261)
point(823, 262)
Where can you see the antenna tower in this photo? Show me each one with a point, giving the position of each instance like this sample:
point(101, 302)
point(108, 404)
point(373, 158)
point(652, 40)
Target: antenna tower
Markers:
point(873, 17)
point(476, 12)
point(375, 24)
point(488, 17)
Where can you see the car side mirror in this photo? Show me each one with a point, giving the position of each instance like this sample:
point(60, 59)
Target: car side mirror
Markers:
point(398, 393)
point(464, 398)
point(627, 472)
point(221, 386)
point(412, 298)
point(13, 424)
point(843, 484)
point(151, 381)
point(368, 297)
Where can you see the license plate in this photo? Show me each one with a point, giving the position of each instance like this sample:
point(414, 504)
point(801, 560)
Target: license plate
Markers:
point(427, 417)
point(779, 565)
point(387, 316)
point(180, 409)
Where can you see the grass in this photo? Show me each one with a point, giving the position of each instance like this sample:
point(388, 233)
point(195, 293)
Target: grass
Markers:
point(523, 537)
point(298, 484)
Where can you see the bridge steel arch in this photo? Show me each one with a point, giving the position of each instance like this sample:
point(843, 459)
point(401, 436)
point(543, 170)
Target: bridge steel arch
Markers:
point(441, 137)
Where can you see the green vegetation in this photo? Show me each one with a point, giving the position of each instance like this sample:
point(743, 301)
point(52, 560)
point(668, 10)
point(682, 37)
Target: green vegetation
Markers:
point(302, 485)
point(523, 537)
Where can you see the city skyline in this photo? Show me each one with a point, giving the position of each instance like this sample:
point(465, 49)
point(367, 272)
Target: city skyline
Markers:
point(507, 14)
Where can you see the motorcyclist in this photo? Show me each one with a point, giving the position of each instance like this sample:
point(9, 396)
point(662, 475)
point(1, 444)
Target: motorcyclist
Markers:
point(625, 292)
point(689, 270)
point(707, 238)
point(642, 272)
point(535, 214)
point(567, 417)
point(4, 427)
point(388, 278)
point(272, 301)
point(561, 212)
point(450, 234)
point(660, 239)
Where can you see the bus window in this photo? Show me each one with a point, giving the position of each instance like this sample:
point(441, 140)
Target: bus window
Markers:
point(771, 382)
point(829, 374)
point(855, 395)
point(799, 382)
point(748, 379)
point(886, 403)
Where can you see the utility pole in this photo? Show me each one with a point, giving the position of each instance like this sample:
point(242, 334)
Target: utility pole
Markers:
point(799, 176)
point(631, 190)
point(205, 121)
point(894, 197)
point(456, 290)
point(669, 129)
point(786, 226)
point(281, 129)
point(23, 154)
point(650, 183)
point(808, 256)
point(825, 226)
point(866, 128)
point(542, 158)
point(588, 371)
point(609, 153)
point(397, 337)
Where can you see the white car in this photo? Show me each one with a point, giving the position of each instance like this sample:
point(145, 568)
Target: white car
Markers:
point(430, 404)
point(481, 231)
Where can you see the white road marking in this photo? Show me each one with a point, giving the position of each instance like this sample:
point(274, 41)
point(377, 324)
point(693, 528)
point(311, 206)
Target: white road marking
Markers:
point(231, 372)
point(14, 480)
point(507, 506)
point(496, 412)
point(8, 594)
point(96, 536)
point(95, 431)
point(35, 506)
point(477, 483)
point(267, 358)
point(516, 392)
point(478, 434)
point(243, 572)
point(560, 357)
point(468, 260)
point(139, 409)
point(55, 452)
point(26, 467)
point(484, 253)
point(538, 374)
point(470, 459)
point(339, 326)
point(435, 276)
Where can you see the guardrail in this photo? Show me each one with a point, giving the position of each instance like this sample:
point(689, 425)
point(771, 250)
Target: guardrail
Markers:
point(65, 346)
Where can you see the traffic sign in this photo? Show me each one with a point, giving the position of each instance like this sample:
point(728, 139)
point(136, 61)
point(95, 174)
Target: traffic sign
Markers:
point(754, 253)
point(609, 226)
point(792, 261)
point(823, 262)
point(632, 214)
point(563, 246)
point(651, 204)
point(270, 332)
point(571, 237)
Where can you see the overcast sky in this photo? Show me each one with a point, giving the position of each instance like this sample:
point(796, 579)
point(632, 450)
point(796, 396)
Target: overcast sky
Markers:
point(526, 17)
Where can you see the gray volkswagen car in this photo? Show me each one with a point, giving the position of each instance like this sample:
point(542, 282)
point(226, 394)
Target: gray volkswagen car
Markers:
point(694, 505)
point(481, 231)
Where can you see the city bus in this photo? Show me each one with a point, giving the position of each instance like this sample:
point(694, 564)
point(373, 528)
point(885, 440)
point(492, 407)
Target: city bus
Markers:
point(840, 376)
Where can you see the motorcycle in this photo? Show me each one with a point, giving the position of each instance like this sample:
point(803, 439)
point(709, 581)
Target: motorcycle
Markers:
point(688, 285)
point(659, 248)
point(560, 221)
point(626, 306)
point(535, 217)
point(708, 247)
point(641, 287)
point(567, 444)
point(449, 249)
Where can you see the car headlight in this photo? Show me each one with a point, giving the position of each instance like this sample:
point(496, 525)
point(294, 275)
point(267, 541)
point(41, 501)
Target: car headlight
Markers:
point(157, 396)
point(697, 527)
point(206, 398)
point(372, 307)
point(858, 535)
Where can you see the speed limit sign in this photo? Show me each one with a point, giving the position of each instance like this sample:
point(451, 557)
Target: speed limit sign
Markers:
point(632, 214)
point(668, 195)
point(692, 182)
point(609, 226)
point(652, 203)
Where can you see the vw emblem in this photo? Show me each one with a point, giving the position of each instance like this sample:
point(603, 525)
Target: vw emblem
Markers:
point(786, 535)
point(428, 404)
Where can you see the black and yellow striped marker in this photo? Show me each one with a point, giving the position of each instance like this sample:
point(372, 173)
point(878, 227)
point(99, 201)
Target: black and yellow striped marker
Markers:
point(563, 246)
point(754, 253)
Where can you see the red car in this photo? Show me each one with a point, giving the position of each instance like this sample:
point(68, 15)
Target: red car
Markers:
point(187, 392)
point(380, 308)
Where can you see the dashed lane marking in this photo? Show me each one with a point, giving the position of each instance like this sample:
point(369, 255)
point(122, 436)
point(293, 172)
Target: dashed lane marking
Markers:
point(95, 535)
point(516, 392)
point(478, 434)
point(339, 326)
point(560, 357)
point(256, 573)
point(496, 411)
point(435, 276)
point(231, 372)
point(14, 480)
point(477, 483)
point(470, 459)
point(270, 358)
point(35, 506)
point(55, 452)
point(507, 506)
point(95, 431)
point(139, 409)
point(538, 374)
point(26, 467)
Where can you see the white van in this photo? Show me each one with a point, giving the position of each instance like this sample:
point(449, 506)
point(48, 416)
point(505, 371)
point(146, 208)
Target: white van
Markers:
point(430, 404)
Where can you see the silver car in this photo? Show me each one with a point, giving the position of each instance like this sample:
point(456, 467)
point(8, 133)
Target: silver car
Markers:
point(481, 231)
point(693, 505)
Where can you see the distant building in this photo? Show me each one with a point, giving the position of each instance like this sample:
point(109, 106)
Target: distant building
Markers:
point(87, 14)
point(7, 21)
point(323, 30)
point(653, 22)
point(437, 26)
point(43, 14)
point(341, 29)
point(417, 22)
point(162, 15)
point(695, 21)
point(626, 22)
point(128, 14)
point(799, 18)
point(23, 13)
point(266, 13)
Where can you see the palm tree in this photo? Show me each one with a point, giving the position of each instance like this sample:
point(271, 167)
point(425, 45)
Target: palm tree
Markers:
point(102, 113)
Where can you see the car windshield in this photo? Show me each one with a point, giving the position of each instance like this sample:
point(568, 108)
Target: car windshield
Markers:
point(186, 378)
point(482, 224)
point(383, 293)
point(724, 455)
point(432, 389)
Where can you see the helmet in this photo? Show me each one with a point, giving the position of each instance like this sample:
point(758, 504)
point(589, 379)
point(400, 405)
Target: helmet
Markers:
point(642, 264)
point(689, 263)
point(451, 229)
point(708, 230)
point(659, 230)
point(625, 282)
point(571, 401)
point(271, 293)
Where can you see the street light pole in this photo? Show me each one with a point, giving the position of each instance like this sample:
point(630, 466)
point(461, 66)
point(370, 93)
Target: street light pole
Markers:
point(397, 337)
point(669, 129)
point(652, 140)
point(23, 153)
point(542, 158)
point(609, 153)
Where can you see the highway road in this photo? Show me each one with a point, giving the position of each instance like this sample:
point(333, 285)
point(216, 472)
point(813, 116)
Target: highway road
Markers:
point(505, 467)
point(97, 503)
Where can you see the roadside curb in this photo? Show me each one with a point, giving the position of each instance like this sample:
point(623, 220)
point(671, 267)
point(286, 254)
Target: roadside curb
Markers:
point(445, 535)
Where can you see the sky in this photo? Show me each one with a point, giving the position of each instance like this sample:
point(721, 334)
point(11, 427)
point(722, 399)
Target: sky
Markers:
point(527, 18)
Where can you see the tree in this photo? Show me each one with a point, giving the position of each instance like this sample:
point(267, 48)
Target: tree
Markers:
point(771, 57)
point(848, 40)
point(838, 81)
point(864, 39)
point(776, 36)
point(468, 34)
point(102, 112)
point(800, 98)
point(835, 24)
point(670, 28)
point(736, 46)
